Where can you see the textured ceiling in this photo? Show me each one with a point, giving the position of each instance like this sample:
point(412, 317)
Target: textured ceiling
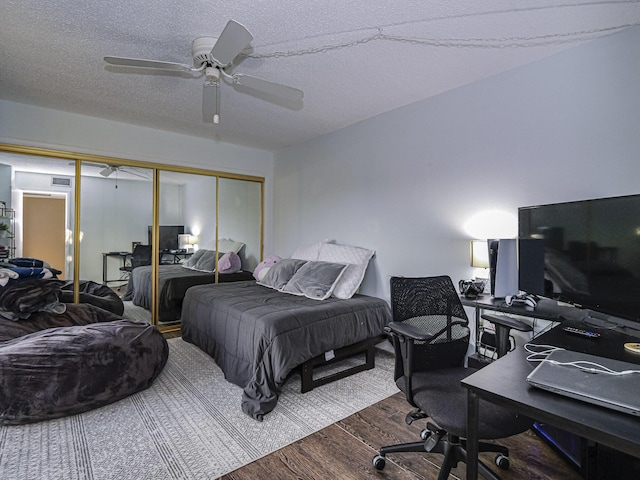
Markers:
point(353, 59)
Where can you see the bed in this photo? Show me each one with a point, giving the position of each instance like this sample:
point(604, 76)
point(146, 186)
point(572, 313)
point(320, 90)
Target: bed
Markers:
point(173, 283)
point(258, 335)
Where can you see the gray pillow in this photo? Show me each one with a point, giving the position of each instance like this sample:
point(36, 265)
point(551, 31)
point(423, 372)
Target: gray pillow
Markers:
point(315, 280)
point(280, 273)
point(194, 258)
point(203, 260)
point(207, 262)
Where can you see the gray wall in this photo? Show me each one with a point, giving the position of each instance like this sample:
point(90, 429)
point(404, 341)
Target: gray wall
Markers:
point(405, 183)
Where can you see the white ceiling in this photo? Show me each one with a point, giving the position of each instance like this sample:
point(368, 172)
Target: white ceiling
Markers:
point(353, 59)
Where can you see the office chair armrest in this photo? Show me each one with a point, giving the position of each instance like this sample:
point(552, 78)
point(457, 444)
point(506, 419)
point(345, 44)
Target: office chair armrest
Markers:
point(508, 322)
point(408, 331)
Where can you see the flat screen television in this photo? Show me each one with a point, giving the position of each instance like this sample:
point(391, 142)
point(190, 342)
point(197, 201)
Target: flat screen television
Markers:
point(168, 238)
point(591, 252)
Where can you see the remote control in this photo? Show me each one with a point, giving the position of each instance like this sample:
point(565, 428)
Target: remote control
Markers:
point(581, 332)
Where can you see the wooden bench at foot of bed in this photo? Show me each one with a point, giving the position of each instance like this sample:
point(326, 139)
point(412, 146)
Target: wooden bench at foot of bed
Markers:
point(367, 347)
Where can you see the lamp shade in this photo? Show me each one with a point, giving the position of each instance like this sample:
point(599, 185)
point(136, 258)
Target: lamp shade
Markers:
point(183, 241)
point(479, 254)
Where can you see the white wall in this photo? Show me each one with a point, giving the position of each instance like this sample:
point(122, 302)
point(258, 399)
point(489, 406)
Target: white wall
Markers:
point(22, 124)
point(406, 182)
point(107, 229)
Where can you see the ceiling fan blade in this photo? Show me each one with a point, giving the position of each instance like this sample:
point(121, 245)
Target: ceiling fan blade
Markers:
point(134, 171)
point(233, 39)
point(106, 171)
point(210, 102)
point(90, 164)
point(271, 88)
point(137, 62)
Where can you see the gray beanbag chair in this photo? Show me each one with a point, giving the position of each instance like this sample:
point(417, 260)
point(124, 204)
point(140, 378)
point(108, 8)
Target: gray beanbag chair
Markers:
point(95, 294)
point(75, 314)
point(67, 370)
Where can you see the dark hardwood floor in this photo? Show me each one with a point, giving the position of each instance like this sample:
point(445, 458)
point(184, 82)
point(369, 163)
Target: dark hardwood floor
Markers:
point(345, 451)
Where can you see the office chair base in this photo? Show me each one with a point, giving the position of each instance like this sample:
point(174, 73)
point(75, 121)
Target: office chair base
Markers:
point(454, 451)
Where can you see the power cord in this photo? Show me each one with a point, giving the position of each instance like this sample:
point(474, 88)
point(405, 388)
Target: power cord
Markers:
point(539, 353)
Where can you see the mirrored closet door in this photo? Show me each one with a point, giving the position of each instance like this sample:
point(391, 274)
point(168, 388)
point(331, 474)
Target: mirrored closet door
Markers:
point(186, 234)
point(116, 212)
point(240, 218)
point(37, 203)
point(139, 225)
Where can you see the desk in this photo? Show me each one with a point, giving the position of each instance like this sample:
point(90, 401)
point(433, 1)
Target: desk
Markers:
point(175, 256)
point(486, 302)
point(105, 264)
point(503, 382)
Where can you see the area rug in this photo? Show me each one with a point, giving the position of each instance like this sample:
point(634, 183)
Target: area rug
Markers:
point(187, 425)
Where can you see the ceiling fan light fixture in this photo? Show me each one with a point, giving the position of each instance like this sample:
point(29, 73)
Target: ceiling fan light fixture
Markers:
point(212, 74)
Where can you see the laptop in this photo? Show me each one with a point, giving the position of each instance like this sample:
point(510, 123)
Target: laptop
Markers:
point(617, 392)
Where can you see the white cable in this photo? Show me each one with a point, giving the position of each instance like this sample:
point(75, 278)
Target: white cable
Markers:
point(591, 367)
point(539, 353)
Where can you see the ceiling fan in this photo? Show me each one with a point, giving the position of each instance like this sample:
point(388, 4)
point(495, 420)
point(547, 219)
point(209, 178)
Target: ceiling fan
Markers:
point(108, 169)
point(215, 57)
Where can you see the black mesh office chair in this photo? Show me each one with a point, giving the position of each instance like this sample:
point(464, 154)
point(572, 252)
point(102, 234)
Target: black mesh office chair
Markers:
point(140, 256)
point(430, 334)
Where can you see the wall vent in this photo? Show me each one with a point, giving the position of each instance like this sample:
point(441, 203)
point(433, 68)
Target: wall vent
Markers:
point(61, 181)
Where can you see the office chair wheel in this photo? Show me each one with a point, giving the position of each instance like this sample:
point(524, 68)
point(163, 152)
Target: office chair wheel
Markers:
point(425, 434)
point(379, 462)
point(502, 462)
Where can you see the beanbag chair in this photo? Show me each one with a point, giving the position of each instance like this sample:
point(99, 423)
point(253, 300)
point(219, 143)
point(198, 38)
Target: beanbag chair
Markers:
point(95, 294)
point(68, 370)
point(74, 314)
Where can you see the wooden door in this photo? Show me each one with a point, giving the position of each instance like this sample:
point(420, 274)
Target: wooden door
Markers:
point(44, 229)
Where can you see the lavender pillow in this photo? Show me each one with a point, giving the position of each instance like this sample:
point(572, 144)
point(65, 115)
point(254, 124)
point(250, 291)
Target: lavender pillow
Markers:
point(229, 263)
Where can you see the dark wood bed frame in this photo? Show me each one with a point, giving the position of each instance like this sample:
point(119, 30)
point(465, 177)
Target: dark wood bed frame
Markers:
point(366, 346)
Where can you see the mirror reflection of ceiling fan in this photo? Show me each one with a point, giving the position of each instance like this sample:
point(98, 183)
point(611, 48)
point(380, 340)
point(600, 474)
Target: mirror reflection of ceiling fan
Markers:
point(108, 169)
point(215, 58)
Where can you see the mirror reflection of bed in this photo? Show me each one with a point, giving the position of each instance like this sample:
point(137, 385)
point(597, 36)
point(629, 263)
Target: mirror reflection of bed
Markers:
point(226, 264)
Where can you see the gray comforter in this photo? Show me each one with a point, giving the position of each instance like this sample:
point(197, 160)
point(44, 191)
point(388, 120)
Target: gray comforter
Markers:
point(173, 282)
point(257, 335)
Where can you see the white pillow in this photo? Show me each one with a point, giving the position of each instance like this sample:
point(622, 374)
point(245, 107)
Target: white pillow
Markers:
point(308, 252)
point(227, 245)
point(357, 260)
